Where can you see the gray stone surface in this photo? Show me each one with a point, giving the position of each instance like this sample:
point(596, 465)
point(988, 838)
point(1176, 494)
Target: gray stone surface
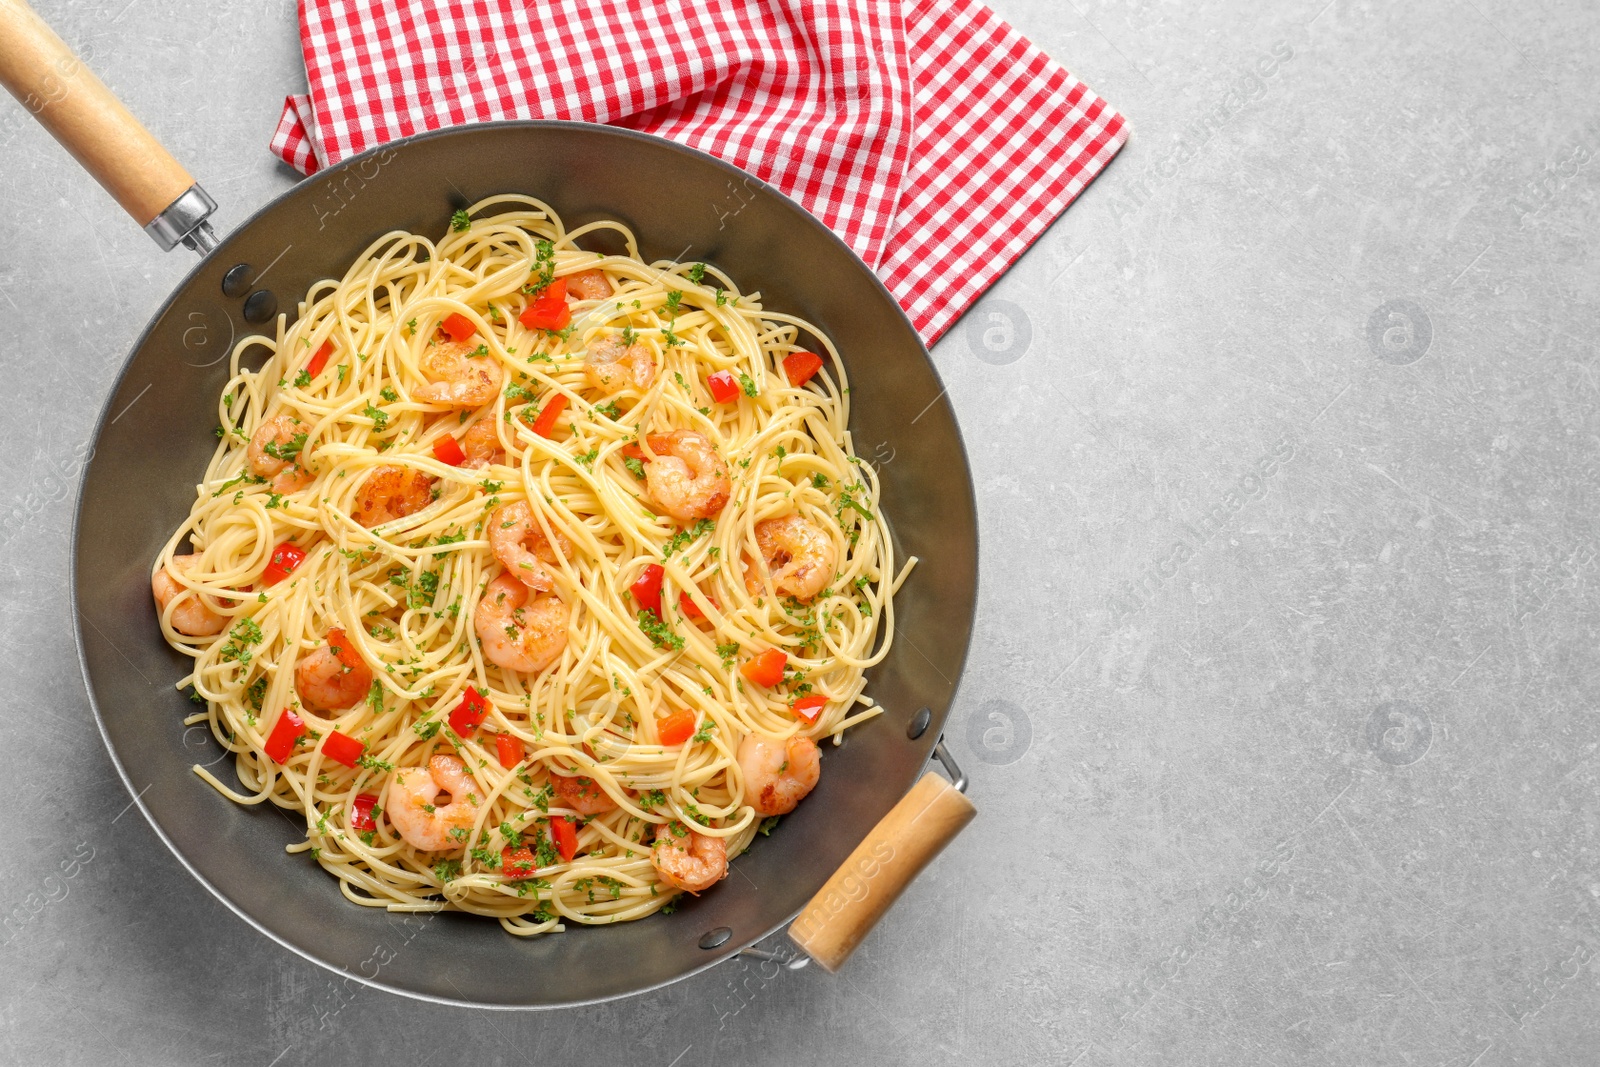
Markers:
point(1282, 710)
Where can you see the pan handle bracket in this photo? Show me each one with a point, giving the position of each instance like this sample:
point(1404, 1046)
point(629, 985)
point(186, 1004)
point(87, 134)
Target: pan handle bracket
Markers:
point(958, 777)
point(184, 221)
point(789, 961)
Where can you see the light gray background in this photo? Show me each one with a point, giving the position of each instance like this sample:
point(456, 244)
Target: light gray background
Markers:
point(1321, 792)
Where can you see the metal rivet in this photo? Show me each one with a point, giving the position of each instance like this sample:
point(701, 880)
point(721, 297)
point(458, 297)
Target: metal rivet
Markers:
point(715, 938)
point(919, 724)
point(260, 306)
point(237, 280)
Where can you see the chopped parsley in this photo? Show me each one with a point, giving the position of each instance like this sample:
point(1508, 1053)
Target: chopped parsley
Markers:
point(424, 589)
point(768, 824)
point(635, 466)
point(545, 852)
point(697, 273)
point(684, 538)
point(748, 384)
point(657, 631)
point(379, 417)
point(543, 270)
point(246, 633)
point(460, 221)
point(247, 479)
point(848, 502)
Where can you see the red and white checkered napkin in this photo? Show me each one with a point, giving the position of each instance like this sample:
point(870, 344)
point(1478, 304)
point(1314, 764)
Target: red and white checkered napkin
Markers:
point(931, 136)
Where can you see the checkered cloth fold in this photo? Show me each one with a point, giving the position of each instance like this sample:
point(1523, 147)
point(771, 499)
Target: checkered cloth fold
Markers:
point(928, 134)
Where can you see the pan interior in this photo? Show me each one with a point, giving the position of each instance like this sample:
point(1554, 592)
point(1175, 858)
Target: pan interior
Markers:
point(140, 483)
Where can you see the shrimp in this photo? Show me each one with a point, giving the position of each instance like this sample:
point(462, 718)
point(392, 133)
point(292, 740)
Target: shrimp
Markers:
point(687, 860)
point(686, 479)
point(193, 616)
point(582, 795)
point(589, 284)
point(799, 555)
point(391, 493)
point(612, 364)
point(520, 638)
point(458, 377)
point(481, 444)
point(423, 824)
point(332, 678)
point(521, 547)
point(778, 774)
point(274, 454)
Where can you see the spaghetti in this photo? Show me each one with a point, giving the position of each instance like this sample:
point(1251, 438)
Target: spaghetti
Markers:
point(577, 539)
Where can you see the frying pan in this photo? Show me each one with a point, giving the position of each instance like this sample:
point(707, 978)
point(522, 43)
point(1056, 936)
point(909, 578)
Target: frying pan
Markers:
point(848, 850)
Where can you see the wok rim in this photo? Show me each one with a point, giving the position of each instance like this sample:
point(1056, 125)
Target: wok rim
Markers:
point(735, 945)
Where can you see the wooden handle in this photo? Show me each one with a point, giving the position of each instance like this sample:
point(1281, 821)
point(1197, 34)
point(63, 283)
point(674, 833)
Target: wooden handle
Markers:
point(80, 112)
point(878, 871)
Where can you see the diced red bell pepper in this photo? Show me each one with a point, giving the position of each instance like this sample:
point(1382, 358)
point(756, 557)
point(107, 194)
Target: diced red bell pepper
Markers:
point(545, 424)
point(800, 366)
point(340, 645)
point(447, 449)
point(320, 360)
point(724, 387)
point(564, 834)
point(809, 708)
point(767, 668)
point(509, 749)
point(469, 713)
point(658, 443)
point(285, 732)
point(285, 558)
point(361, 812)
point(646, 589)
point(549, 310)
point(458, 326)
point(342, 748)
point(676, 728)
point(518, 862)
point(691, 609)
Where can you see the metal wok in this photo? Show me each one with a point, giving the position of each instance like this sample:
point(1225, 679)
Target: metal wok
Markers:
point(155, 437)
